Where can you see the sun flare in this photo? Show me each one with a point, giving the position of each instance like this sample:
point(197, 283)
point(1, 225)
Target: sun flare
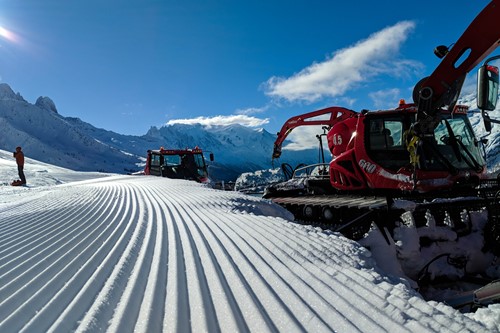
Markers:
point(6, 34)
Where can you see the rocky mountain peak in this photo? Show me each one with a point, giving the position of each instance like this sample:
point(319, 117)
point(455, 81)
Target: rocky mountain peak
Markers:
point(46, 103)
point(6, 93)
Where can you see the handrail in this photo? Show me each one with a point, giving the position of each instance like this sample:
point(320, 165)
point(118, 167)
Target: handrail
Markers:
point(318, 170)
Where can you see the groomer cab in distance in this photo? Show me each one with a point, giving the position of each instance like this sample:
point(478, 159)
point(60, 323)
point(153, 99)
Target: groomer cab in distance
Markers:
point(178, 164)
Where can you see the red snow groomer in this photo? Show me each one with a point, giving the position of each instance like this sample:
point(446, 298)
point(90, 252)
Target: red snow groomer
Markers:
point(424, 155)
point(426, 149)
point(178, 164)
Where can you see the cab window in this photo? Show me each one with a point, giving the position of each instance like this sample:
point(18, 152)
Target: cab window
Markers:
point(155, 160)
point(385, 143)
point(385, 134)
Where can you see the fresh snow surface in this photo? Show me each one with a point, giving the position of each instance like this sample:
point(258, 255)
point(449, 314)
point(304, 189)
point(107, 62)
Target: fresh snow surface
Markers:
point(93, 252)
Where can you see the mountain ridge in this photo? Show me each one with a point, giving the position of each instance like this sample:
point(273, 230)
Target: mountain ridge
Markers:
point(72, 143)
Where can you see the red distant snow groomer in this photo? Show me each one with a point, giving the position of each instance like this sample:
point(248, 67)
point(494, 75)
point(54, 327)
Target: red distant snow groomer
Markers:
point(178, 164)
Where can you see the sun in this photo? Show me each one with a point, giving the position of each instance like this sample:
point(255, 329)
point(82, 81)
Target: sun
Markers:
point(6, 34)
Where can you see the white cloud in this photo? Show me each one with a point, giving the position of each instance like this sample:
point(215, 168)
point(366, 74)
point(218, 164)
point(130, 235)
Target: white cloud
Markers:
point(347, 67)
point(305, 138)
point(388, 98)
point(243, 120)
point(248, 111)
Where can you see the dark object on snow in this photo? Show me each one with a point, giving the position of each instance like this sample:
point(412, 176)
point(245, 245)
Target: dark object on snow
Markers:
point(17, 183)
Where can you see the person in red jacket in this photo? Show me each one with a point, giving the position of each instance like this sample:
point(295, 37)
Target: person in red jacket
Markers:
point(19, 155)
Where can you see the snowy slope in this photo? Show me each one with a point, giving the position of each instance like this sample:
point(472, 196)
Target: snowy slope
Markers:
point(150, 254)
point(39, 173)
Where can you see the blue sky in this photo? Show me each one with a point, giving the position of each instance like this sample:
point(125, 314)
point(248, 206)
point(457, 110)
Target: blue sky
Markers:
point(128, 65)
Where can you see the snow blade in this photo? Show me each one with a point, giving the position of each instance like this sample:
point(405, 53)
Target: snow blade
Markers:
point(488, 293)
point(479, 297)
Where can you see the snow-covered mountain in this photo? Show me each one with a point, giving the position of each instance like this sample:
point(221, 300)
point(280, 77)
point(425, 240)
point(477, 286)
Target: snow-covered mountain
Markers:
point(69, 142)
point(49, 137)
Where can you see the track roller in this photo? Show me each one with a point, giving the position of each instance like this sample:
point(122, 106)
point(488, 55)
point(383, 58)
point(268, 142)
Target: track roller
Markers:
point(308, 212)
point(327, 214)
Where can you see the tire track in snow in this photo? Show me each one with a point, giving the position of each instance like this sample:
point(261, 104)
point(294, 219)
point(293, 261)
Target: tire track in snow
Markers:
point(200, 302)
point(127, 310)
point(284, 310)
point(243, 297)
point(337, 296)
point(45, 229)
point(64, 267)
point(242, 300)
point(339, 293)
point(244, 230)
point(364, 303)
point(210, 278)
point(16, 224)
point(150, 254)
point(108, 269)
point(279, 248)
point(151, 310)
point(38, 252)
point(291, 281)
point(276, 282)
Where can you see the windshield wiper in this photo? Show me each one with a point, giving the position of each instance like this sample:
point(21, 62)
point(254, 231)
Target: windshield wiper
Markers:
point(473, 163)
point(431, 146)
point(452, 140)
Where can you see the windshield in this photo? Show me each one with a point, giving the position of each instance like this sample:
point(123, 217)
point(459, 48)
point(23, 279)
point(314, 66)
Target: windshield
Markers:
point(171, 160)
point(456, 142)
point(200, 163)
point(452, 147)
point(181, 165)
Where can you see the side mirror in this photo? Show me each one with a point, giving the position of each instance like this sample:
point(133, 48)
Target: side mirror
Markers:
point(487, 88)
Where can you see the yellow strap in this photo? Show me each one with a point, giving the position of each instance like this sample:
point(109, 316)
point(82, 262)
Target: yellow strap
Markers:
point(412, 142)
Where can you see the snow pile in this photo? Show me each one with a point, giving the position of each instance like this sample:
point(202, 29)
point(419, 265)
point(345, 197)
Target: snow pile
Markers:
point(150, 254)
point(257, 181)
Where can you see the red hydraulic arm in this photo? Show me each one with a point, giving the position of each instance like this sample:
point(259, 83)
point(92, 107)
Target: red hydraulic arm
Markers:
point(443, 86)
point(336, 113)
